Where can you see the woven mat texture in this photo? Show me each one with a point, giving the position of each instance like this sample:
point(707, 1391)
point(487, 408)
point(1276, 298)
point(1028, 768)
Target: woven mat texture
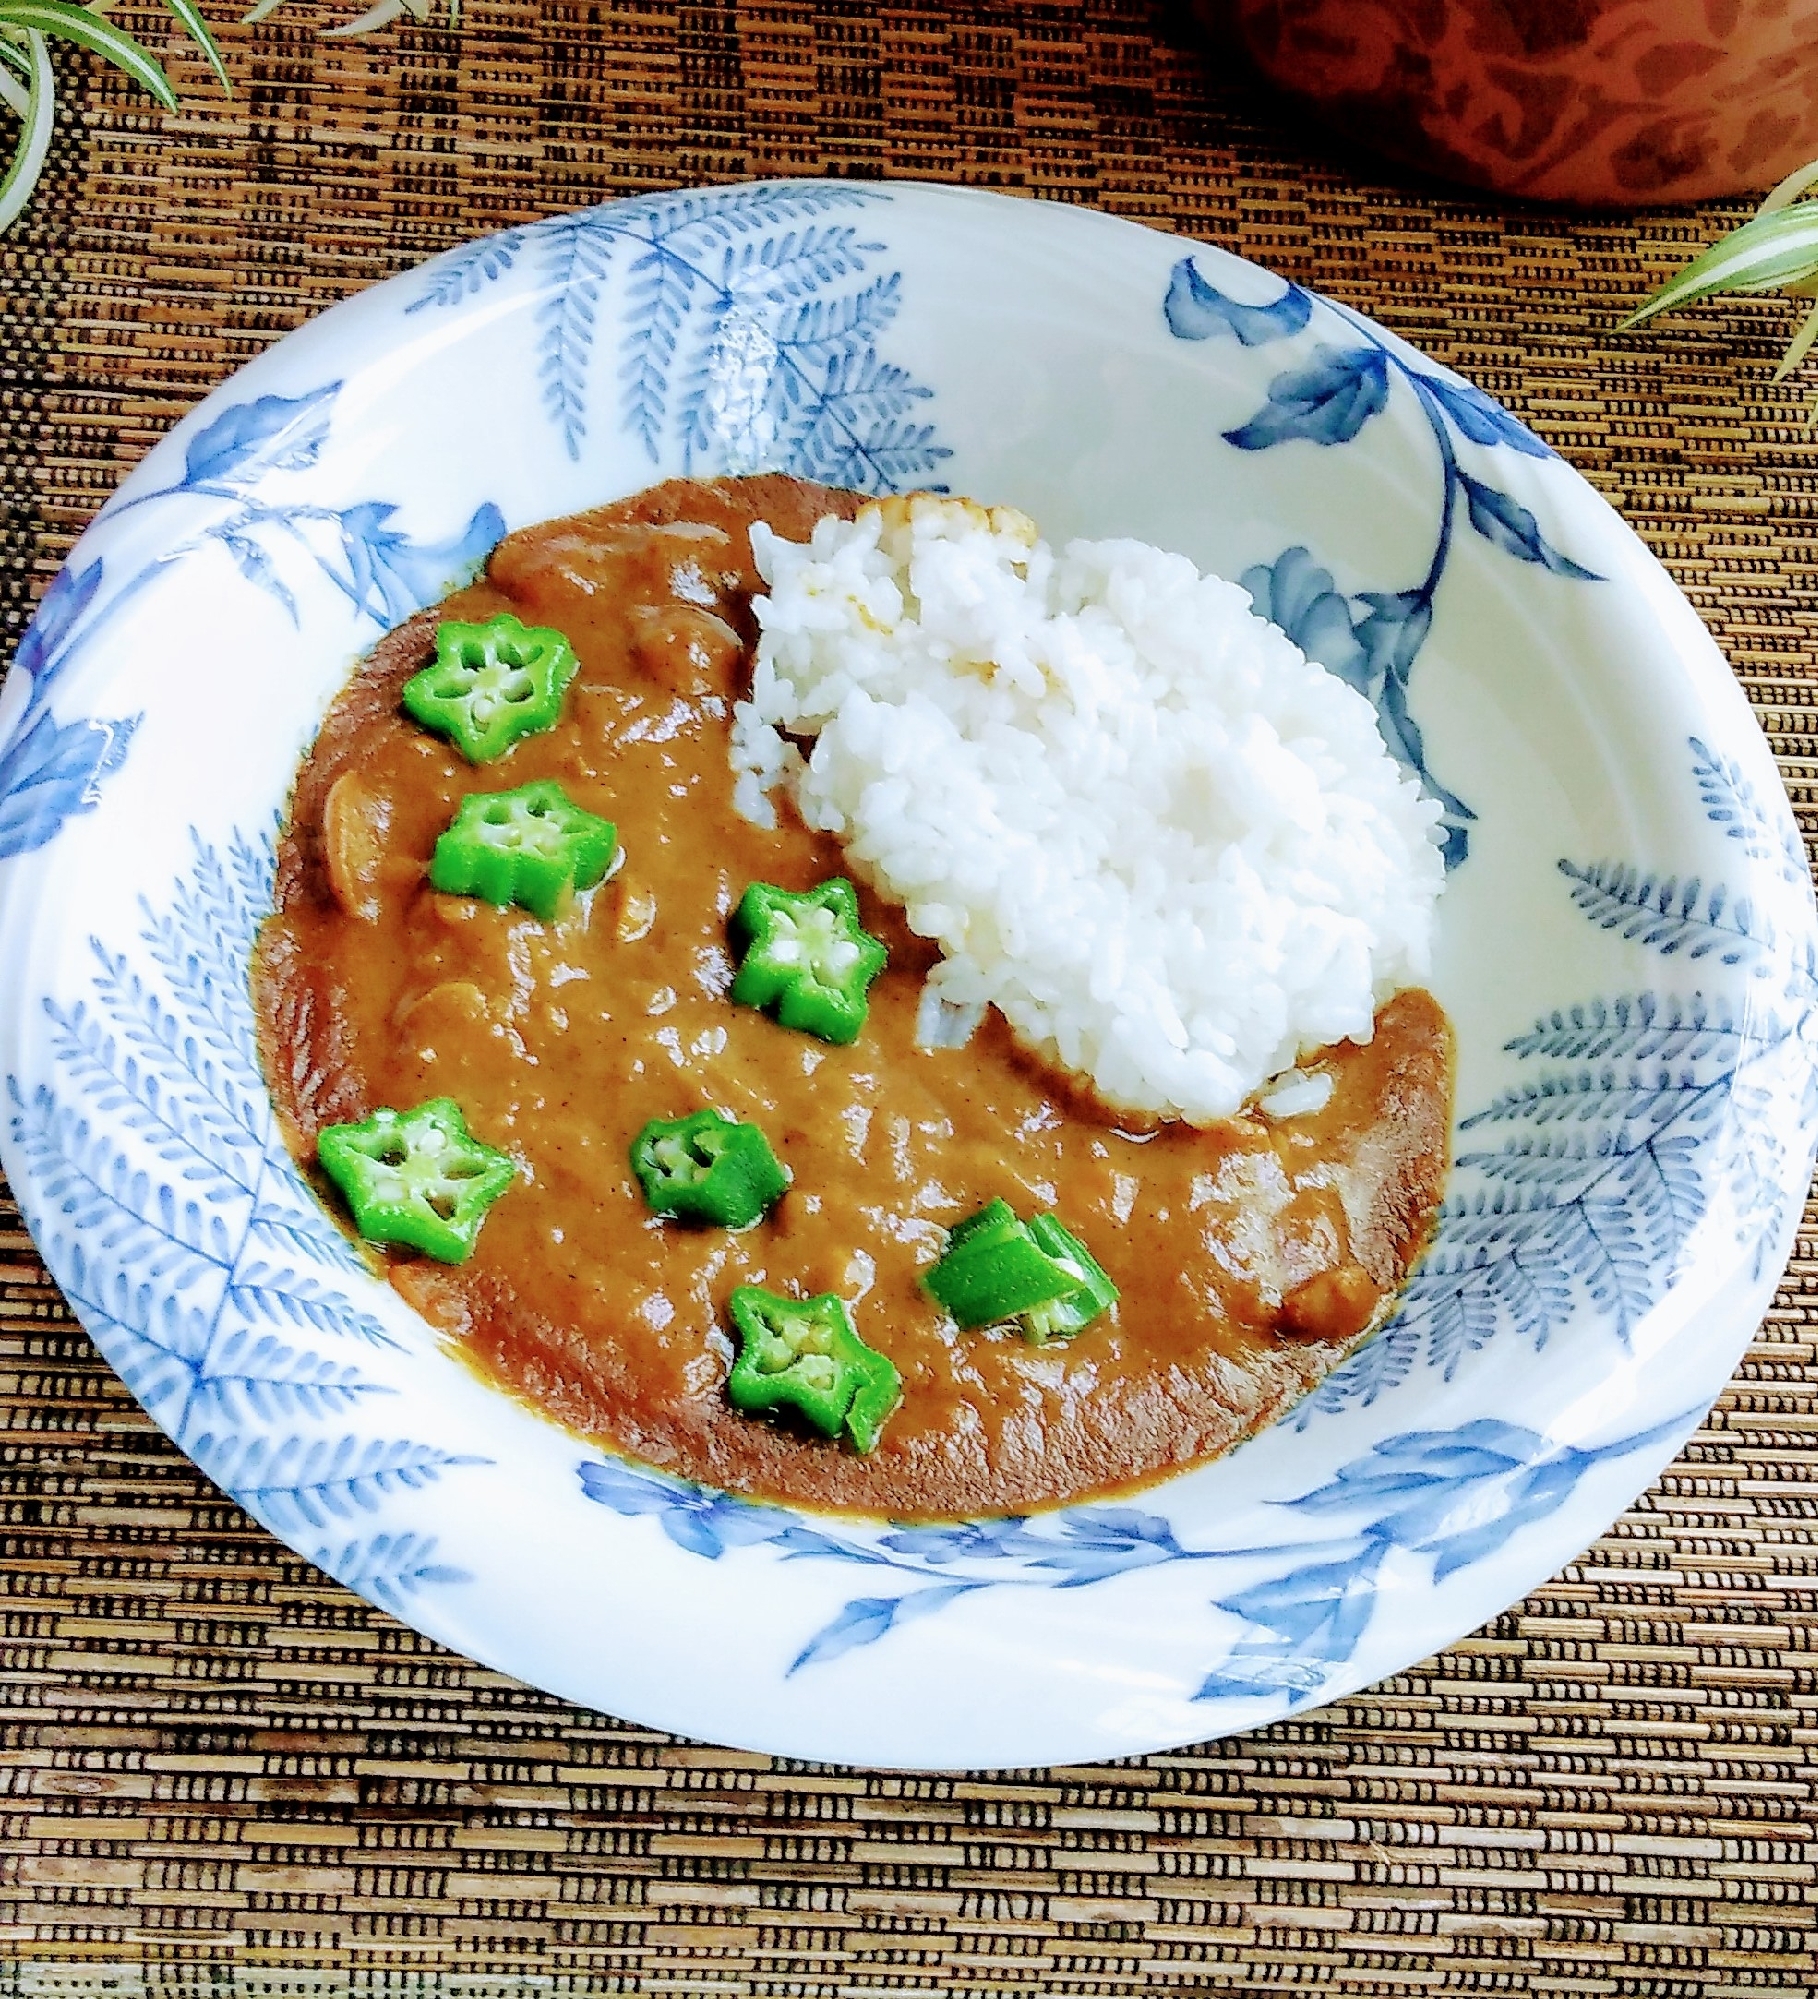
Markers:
point(220, 1772)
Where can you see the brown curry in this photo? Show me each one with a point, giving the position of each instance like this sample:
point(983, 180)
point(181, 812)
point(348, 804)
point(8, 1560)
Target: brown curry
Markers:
point(1250, 1256)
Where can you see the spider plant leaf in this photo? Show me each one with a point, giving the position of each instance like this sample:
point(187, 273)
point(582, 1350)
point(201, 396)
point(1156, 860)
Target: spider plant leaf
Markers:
point(36, 126)
point(1771, 251)
point(380, 16)
point(190, 15)
point(1802, 342)
point(89, 31)
point(1784, 193)
point(15, 55)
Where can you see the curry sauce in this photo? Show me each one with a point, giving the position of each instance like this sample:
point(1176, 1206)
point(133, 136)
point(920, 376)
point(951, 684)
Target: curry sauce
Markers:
point(1250, 1256)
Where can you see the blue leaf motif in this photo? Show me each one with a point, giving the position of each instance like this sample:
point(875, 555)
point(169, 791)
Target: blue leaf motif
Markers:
point(1731, 801)
point(254, 563)
point(1455, 1494)
point(580, 248)
point(161, 1184)
point(822, 325)
point(1196, 309)
point(1393, 630)
point(798, 1542)
point(391, 577)
point(459, 274)
point(255, 1377)
point(1314, 1613)
point(1092, 1543)
point(1509, 526)
point(1297, 594)
point(1418, 1460)
point(1326, 401)
point(1606, 1166)
point(44, 648)
point(50, 771)
point(269, 434)
point(868, 1618)
point(1005, 1539)
point(694, 1517)
point(1482, 419)
point(1262, 1671)
point(839, 418)
point(155, 1340)
point(1671, 915)
point(1538, 1491)
point(1097, 1542)
point(1373, 653)
point(1459, 1496)
point(1639, 1024)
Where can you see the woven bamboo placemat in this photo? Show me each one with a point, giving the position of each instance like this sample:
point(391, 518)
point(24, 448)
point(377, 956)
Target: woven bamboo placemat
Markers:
point(220, 1772)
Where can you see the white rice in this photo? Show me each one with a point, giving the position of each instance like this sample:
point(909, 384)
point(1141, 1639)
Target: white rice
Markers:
point(1173, 851)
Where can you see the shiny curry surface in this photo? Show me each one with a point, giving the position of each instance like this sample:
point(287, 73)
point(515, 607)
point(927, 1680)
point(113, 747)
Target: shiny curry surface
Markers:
point(1250, 1256)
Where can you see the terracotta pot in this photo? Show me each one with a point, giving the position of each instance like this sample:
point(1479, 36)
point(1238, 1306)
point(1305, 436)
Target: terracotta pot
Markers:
point(1595, 101)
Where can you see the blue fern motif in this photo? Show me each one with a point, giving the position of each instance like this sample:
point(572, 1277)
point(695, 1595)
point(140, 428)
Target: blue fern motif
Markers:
point(171, 1214)
point(1605, 1163)
point(466, 272)
point(1370, 638)
point(389, 1568)
point(259, 1378)
point(298, 1482)
point(1644, 1027)
point(1670, 915)
point(741, 350)
point(51, 770)
point(1453, 1496)
point(1732, 802)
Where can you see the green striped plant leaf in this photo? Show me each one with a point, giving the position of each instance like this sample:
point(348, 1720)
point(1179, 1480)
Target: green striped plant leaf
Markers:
point(91, 31)
point(1771, 252)
point(378, 16)
point(1785, 192)
point(15, 75)
point(28, 86)
point(1802, 343)
point(189, 16)
point(36, 122)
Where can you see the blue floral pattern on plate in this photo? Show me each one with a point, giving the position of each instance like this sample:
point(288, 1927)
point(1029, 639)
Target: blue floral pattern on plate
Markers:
point(216, 1283)
point(1369, 638)
point(1643, 1105)
point(753, 340)
point(1641, 1108)
point(51, 770)
point(752, 333)
point(1455, 1496)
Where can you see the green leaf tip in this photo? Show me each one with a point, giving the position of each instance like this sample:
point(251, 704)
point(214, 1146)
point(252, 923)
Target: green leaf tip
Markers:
point(1768, 253)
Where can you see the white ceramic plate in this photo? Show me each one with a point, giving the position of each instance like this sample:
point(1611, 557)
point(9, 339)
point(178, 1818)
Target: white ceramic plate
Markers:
point(1627, 951)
